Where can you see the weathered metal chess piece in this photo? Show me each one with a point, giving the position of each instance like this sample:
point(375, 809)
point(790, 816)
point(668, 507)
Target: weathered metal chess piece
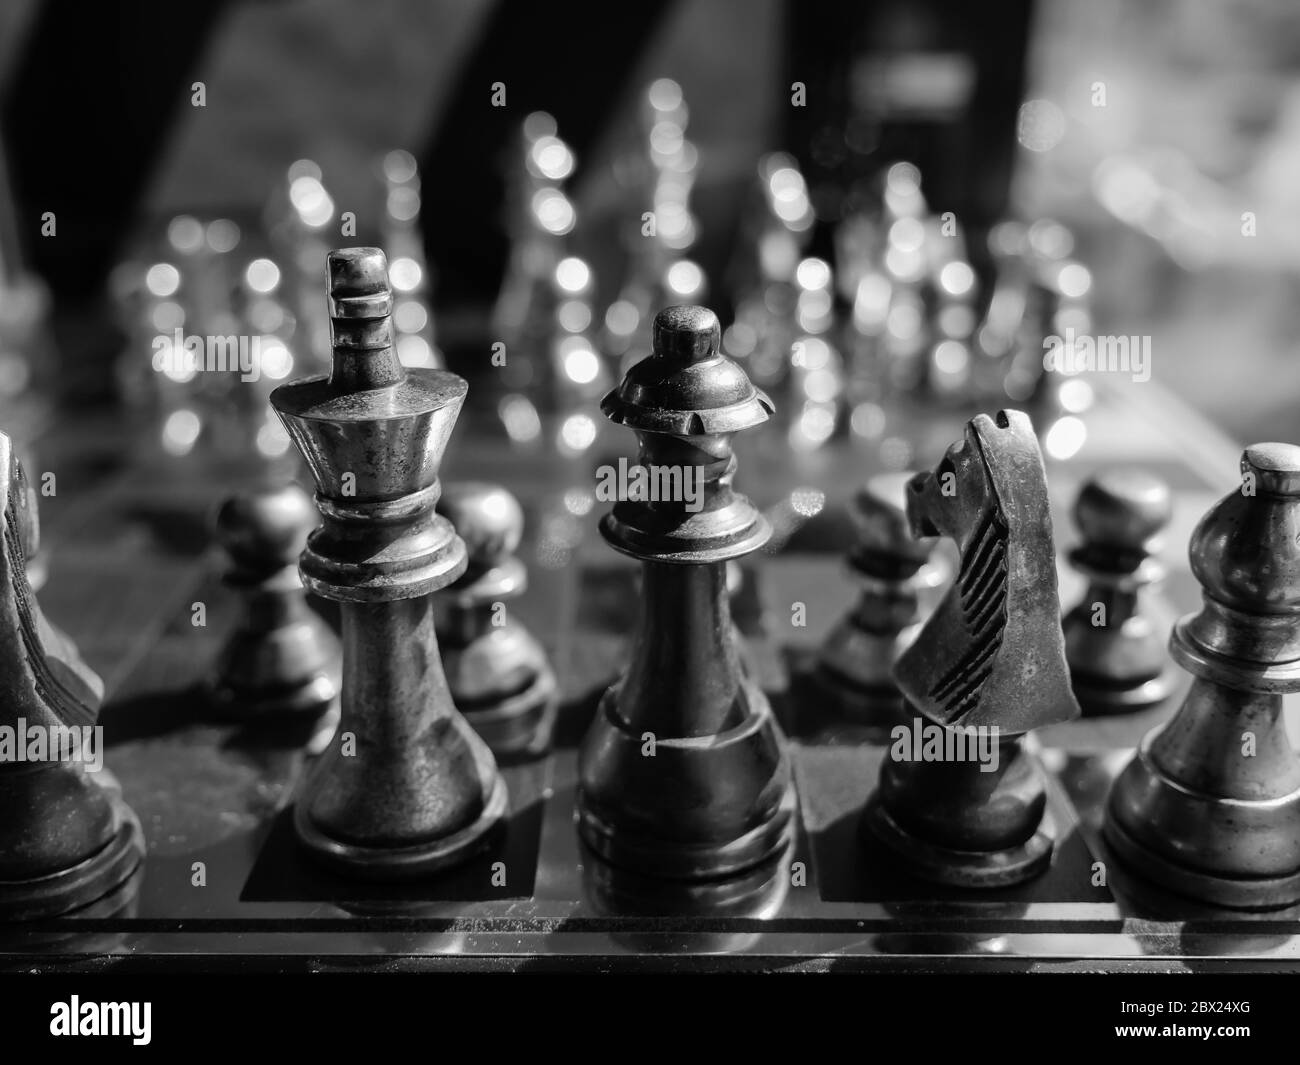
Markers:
point(1116, 636)
point(987, 667)
point(282, 659)
point(498, 673)
point(67, 840)
point(899, 576)
point(1209, 807)
point(405, 786)
point(684, 774)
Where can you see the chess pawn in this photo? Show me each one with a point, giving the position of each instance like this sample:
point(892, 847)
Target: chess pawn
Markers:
point(1209, 807)
point(898, 576)
point(405, 787)
point(498, 673)
point(960, 800)
point(1115, 637)
point(282, 658)
point(67, 840)
point(684, 775)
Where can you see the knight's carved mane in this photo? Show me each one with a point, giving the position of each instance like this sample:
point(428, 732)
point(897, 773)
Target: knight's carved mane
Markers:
point(69, 709)
point(981, 588)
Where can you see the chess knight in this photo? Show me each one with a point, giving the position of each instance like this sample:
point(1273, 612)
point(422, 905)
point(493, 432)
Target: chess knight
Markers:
point(991, 656)
point(67, 840)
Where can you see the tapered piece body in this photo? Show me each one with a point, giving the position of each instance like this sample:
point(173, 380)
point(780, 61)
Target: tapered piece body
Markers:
point(1209, 807)
point(988, 664)
point(684, 774)
point(67, 840)
point(405, 787)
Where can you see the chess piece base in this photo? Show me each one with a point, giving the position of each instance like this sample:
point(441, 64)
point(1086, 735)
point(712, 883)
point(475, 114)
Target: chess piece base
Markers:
point(521, 724)
point(955, 816)
point(1103, 700)
point(744, 806)
point(1237, 893)
point(406, 862)
point(1148, 815)
point(961, 868)
point(108, 875)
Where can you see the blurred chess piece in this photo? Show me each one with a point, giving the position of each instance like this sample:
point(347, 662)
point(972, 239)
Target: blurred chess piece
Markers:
point(899, 576)
point(659, 172)
point(27, 351)
point(498, 673)
point(541, 216)
point(409, 270)
point(1209, 807)
point(67, 841)
point(1116, 636)
point(774, 234)
point(300, 220)
point(281, 660)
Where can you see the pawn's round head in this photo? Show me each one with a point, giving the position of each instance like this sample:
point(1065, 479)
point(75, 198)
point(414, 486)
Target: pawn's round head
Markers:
point(879, 512)
point(487, 517)
point(1245, 551)
point(686, 335)
point(1123, 509)
point(267, 527)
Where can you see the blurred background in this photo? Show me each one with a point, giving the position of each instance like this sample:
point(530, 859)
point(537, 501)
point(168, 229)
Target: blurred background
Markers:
point(879, 198)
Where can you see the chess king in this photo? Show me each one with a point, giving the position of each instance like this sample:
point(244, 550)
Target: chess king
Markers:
point(990, 658)
point(67, 840)
point(405, 788)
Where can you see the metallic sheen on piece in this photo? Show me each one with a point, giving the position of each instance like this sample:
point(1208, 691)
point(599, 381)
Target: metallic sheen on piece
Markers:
point(992, 657)
point(415, 790)
point(1209, 807)
point(67, 840)
point(684, 775)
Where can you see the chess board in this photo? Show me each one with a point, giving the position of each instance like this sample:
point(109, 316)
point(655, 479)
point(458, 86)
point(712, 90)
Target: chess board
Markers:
point(225, 885)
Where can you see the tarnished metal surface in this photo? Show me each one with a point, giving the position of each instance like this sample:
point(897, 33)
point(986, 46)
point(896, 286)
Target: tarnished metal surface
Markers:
point(405, 787)
point(1210, 805)
point(684, 773)
point(990, 658)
